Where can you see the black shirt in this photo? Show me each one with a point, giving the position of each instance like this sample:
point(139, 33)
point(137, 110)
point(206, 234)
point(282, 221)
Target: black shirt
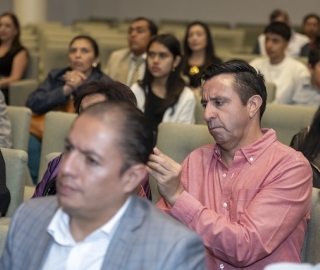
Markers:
point(151, 110)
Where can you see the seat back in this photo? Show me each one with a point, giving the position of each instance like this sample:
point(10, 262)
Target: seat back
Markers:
point(56, 128)
point(16, 163)
point(287, 120)
point(310, 251)
point(271, 91)
point(32, 70)
point(20, 91)
point(20, 126)
point(177, 141)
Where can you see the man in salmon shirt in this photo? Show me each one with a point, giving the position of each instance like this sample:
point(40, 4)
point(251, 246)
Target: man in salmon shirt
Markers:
point(248, 195)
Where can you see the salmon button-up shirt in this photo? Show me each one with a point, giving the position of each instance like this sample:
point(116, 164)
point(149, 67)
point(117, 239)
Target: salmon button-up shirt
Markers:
point(251, 214)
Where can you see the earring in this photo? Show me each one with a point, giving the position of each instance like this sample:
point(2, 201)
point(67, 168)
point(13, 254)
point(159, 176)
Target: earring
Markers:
point(94, 64)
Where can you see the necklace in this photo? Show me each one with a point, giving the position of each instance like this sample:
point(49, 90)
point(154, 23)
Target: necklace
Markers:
point(194, 70)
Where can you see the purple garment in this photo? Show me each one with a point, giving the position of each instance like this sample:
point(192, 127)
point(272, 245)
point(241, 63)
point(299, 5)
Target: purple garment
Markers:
point(52, 173)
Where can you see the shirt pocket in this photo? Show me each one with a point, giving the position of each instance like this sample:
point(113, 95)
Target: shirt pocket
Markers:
point(242, 201)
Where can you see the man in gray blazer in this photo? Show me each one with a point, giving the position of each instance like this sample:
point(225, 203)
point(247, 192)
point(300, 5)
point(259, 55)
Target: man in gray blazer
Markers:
point(124, 64)
point(96, 221)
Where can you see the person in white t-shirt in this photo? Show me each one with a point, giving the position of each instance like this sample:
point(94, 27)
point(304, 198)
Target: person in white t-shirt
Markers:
point(276, 67)
point(299, 44)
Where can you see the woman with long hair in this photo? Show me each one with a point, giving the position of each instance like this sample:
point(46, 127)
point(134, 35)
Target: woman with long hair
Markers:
point(198, 51)
point(13, 56)
point(162, 94)
point(307, 141)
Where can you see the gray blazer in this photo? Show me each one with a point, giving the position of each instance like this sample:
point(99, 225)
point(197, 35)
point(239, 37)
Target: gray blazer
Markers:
point(118, 65)
point(145, 239)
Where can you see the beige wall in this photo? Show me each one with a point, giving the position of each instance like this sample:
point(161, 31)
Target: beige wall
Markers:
point(232, 11)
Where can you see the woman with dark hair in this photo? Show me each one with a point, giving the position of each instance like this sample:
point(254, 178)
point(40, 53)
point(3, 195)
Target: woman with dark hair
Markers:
point(311, 28)
point(62, 85)
point(59, 89)
point(13, 56)
point(307, 141)
point(198, 51)
point(162, 94)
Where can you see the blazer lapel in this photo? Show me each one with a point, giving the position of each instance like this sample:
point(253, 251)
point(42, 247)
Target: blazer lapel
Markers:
point(124, 238)
point(124, 67)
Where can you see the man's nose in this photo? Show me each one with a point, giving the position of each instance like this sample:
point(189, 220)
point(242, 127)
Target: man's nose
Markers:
point(209, 113)
point(69, 163)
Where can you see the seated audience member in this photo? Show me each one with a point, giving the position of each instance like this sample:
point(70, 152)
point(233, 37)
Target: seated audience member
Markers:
point(247, 195)
point(292, 266)
point(305, 90)
point(311, 28)
point(307, 141)
point(128, 65)
point(278, 68)
point(5, 125)
point(198, 52)
point(162, 93)
point(13, 56)
point(4, 191)
point(91, 93)
point(298, 43)
point(96, 221)
point(59, 89)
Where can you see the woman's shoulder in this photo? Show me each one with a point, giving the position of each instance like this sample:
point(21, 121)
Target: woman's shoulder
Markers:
point(187, 94)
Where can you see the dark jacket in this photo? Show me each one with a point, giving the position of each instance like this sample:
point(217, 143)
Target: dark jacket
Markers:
point(297, 143)
point(49, 94)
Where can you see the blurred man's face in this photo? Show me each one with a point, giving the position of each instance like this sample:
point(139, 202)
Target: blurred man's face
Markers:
point(275, 46)
point(139, 36)
point(311, 27)
point(90, 179)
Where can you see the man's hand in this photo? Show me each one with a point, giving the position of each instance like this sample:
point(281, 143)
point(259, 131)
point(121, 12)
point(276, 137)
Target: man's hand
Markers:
point(167, 173)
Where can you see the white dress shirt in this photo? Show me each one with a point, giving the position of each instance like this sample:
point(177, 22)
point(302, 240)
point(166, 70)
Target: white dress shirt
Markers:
point(66, 253)
point(142, 67)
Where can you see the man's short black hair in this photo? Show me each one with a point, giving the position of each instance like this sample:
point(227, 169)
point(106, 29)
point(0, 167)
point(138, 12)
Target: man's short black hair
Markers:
point(280, 29)
point(135, 133)
point(247, 81)
point(314, 57)
point(112, 90)
point(152, 26)
point(311, 15)
point(278, 13)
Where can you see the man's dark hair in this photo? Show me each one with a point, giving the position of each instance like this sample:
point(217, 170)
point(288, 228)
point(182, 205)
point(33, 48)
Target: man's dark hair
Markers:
point(135, 138)
point(112, 90)
point(277, 13)
point(314, 57)
point(152, 26)
point(247, 81)
point(280, 29)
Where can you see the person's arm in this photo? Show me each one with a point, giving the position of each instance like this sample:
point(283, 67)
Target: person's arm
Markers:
point(305, 50)
point(5, 125)
point(4, 191)
point(244, 241)
point(50, 174)
point(19, 65)
point(52, 93)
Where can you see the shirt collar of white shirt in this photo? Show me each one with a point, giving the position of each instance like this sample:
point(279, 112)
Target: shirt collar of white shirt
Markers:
point(143, 56)
point(60, 231)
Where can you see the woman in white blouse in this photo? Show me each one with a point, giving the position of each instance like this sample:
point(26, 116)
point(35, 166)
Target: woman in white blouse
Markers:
point(162, 94)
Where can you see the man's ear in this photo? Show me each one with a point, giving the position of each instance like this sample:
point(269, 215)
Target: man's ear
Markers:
point(253, 105)
point(133, 177)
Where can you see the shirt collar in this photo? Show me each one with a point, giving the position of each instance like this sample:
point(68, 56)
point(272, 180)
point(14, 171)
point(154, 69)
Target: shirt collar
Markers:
point(143, 56)
point(60, 231)
point(252, 151)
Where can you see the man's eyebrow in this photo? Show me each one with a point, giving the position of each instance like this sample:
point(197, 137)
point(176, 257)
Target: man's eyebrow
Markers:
point(85, 152)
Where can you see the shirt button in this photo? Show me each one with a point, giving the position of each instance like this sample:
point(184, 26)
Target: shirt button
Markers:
point(251, 159)
point(221, 266)
point(225, 205)
point(224, 175)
